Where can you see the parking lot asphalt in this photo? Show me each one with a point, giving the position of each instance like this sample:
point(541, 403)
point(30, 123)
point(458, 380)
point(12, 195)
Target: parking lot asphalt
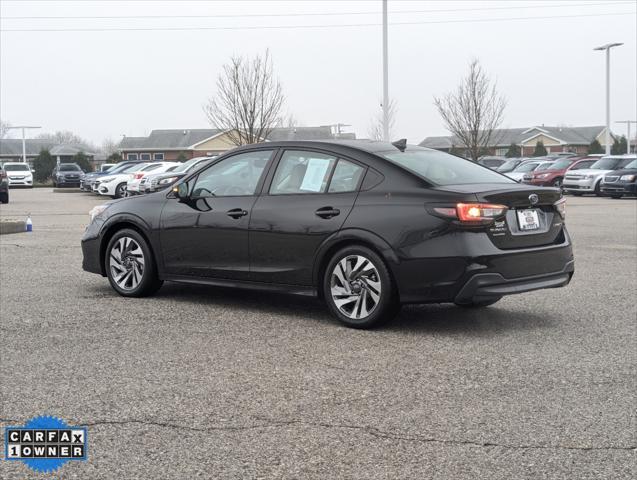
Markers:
point(205, 382)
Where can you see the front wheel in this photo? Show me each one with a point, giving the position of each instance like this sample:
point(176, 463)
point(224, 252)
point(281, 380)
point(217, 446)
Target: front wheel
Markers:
point(120, 190)
point(130, 266)
point(557, 183)
point(358, 288)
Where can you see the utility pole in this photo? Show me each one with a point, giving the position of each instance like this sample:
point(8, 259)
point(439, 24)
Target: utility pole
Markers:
point(627, 122)
point(607, 47)
point(385, 77)
point(24, 145)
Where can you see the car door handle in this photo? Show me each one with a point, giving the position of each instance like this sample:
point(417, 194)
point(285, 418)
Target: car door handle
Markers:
point(237, 213)
point(327, 212)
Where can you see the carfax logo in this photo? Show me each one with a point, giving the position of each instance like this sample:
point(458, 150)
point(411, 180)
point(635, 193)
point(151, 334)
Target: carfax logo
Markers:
point(45, 443)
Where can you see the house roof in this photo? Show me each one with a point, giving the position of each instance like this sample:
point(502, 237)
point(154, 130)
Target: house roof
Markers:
point(33, 146)
point(180, 139)
point(504, 137)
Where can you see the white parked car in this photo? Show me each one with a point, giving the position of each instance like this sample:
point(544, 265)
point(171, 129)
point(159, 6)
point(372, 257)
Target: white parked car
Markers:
point(115, 185)
point(527, 167)
point(132, 187)
point(589, 180)
point(18, 174)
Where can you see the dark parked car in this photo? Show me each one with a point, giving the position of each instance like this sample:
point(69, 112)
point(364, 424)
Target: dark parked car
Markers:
point(365, 225)
point(4, 186)
point(622, 182)
point(67, 175)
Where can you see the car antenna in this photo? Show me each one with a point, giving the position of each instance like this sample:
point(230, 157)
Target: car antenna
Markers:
point(400, 144)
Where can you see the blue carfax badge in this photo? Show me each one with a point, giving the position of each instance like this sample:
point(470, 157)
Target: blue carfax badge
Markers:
point(45, 443)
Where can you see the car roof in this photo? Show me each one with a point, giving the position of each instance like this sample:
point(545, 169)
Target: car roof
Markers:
point(370, 146)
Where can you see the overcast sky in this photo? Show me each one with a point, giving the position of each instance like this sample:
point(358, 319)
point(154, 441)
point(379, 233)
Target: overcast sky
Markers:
point(102, 84)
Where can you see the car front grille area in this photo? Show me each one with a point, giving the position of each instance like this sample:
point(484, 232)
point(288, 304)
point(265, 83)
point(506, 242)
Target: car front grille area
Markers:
point(573, 177)
point(611, 179)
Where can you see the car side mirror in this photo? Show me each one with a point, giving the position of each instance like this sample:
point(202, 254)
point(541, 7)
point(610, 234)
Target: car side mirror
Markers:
point(180, 191)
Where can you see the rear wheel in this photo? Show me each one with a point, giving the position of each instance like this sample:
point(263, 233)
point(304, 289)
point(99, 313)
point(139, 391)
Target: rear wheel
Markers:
point(130, 265)
point(358, 288)
point(4, 197)
point(557, 183)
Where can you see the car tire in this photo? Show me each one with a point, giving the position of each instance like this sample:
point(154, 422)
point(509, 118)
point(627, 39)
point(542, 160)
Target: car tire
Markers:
point(120, 190)
point(577, 194)
point(480, 303)
point(4, 197)
point(615, 196)
point(373, 292)
point(130, 265)
point(557, 183)
point(598, 189)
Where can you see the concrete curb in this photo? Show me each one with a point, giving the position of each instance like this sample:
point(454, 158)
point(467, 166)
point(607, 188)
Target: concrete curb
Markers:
point(12, 226)
point(67, 190)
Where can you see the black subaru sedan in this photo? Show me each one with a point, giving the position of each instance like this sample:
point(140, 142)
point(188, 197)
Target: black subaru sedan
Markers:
point(367, 226)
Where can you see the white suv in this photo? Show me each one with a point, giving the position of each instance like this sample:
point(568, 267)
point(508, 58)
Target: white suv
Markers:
point(18, 174)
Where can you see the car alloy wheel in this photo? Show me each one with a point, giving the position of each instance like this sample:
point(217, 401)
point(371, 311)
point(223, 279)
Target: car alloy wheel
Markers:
point(557, 183)
point(126, 263)
point(120, 191)
point(355, 287)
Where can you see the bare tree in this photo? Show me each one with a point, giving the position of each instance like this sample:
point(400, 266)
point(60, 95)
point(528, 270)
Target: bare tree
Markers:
point(109, 146)
point(473, 111)
point(248, 100)
point(4, 129)
point(375, 130)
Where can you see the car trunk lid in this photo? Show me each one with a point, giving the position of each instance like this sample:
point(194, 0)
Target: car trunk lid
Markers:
point(532, 219)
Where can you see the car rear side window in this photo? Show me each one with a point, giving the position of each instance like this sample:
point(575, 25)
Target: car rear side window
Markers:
point(302, 172)
point(441, 168)
point(346, 177)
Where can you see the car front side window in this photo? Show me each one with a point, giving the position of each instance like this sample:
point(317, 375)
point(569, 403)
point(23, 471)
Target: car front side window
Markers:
point(232, 177)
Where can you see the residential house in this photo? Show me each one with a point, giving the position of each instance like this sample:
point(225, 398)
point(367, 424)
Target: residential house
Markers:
point(555, 139)
point(172, 144)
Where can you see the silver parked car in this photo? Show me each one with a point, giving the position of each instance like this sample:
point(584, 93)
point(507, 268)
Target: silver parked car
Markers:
point(589, 180)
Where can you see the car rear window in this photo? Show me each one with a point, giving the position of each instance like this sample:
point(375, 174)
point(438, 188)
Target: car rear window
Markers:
point(441, 168)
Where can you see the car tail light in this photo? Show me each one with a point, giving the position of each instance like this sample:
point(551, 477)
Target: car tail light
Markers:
point(138, 176)
point(560, 206)
point(472, 213)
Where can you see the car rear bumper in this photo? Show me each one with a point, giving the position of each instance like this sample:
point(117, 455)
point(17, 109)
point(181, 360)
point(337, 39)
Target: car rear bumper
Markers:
point(484, 286)
point(440, 278)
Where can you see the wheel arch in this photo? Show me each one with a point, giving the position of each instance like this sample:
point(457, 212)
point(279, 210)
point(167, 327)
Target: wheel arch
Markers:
point(345, 238)
point(115, 226)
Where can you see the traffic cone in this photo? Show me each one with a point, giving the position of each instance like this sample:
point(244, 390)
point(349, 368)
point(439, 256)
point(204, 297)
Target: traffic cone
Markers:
point(29, 223)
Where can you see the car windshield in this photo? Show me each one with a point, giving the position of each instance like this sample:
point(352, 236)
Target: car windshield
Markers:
point(632, 164)
point(184, 167)
point(507, 166)
point(609, 163)
point(583, 165)
point(545, 166)
point(17, 167)
point(561, 164)
point(69, 168)
point(443, 169)
point(526, 167)
point(134, 168)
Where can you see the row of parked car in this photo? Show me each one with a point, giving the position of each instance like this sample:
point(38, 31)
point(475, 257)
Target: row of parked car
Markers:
point(136, 177)
point(611, 175)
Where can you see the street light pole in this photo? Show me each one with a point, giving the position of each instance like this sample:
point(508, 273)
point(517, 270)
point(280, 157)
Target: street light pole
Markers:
point(607, 47)
point(385, 77)
point(627, 122)
point(24, 145)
